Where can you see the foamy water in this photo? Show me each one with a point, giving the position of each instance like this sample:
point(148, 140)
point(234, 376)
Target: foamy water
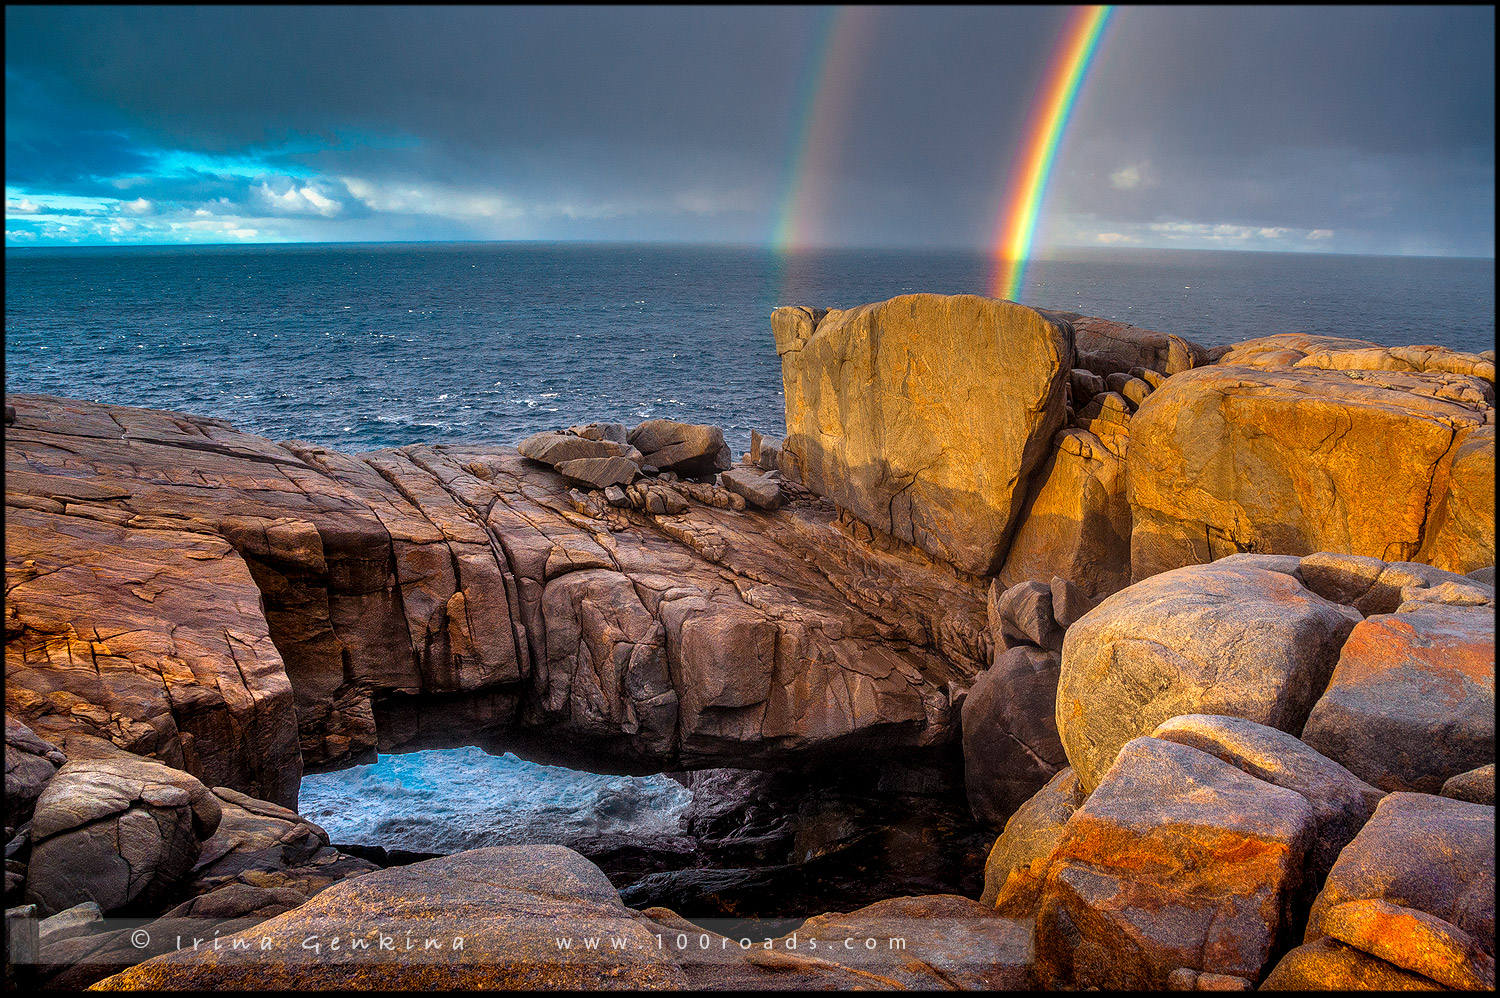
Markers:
point(448, 800)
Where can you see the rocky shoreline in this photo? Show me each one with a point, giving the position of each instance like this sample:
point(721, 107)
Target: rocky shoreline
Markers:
point(1206, 637)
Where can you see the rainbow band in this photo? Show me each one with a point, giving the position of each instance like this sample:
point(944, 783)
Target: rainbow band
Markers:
point(829, 91)
point(1059, 92)
point(812, 87)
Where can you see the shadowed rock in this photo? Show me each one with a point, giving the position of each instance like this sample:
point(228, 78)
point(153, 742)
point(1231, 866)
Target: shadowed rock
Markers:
point(30, 762)
point(121, 831)
point(1009, 732)
point(1017, 863)
point(1083, 385)
point(1107, 347)
point(260, 844)
point(1069, 602)
point(1024, 612)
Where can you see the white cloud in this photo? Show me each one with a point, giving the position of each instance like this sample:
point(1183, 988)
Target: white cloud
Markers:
point(432, 199)
point(24, 206)
point(471, 205)
point(1209, 235)
point(325, 206)
point(139, 206)
point(1110, 238)
point(570, 209)
point(1178, 227)
point(1131, 176)
point(306, 200)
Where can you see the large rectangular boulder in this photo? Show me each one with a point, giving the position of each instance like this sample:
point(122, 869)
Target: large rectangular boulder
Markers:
point(1293, 461)
point(926, 415)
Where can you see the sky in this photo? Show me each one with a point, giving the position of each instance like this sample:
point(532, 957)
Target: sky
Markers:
point(1338, 129)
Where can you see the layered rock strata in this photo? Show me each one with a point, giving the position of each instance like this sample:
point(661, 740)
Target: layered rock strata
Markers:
point(239, 608)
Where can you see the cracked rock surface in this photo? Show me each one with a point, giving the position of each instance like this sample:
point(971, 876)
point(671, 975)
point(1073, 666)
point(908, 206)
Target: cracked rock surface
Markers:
point(240, 608)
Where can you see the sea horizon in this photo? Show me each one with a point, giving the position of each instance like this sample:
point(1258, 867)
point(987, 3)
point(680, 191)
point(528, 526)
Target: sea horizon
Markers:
point(1053, 253)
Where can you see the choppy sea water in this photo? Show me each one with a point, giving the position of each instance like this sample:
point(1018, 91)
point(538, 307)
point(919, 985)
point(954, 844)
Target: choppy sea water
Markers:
point(364, 346)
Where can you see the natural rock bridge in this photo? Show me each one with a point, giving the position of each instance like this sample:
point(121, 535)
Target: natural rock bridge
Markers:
point(242, 609)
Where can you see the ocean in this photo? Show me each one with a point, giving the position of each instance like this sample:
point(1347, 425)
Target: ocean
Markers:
point(358, 347)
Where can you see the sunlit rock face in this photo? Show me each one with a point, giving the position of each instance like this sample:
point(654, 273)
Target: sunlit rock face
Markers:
point(925, 415)
point(1395, 465)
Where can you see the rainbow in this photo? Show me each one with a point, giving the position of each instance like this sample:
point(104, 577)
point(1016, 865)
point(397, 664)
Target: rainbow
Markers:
point(1016, 224)
point(828, 90)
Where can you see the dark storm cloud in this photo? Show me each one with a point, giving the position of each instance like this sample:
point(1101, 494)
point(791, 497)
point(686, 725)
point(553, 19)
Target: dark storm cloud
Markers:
point(220, 79)
point(1375, 125)
point(51, 143)
point(1377, 79)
